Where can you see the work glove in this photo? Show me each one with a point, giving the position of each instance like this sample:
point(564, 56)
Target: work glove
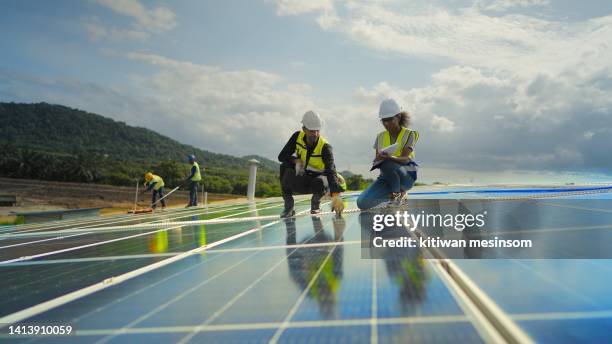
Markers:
point(337, 204)
point(299, 167)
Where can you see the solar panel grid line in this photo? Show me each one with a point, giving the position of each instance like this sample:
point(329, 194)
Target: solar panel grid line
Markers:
point(220, 220)
point(61, 272)
point(47, 305)
point(554, 195)
point(242, 293)
point(176, 298)
point(414, 320)
point(51, 274)
point(57, 223)
point(76, 320)
point(138, 291)
point(43, 240)
point(137, 256)
point(491, 312)
point(480, 322)
point(127, 218)
point(521, 231)
point(50, 278)
point(598, 264)
point(605, 314)
point(88, 224)
point(276, 247)
point(131, 217)
point(70, 249)
point(149, 286)
point(296, 305)
point(374, 314)
point(92, 259)
point(187, 292)
point(89, 245)
point(231, 302)
point(156, 224)
point(60, 237)
point(556, 283)
point(575, 207)
point(482, 325)
point(507, 328)
point(91, 228)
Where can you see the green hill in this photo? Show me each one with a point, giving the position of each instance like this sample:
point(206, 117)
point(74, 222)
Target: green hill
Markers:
point(59, 129)
point(54, 142)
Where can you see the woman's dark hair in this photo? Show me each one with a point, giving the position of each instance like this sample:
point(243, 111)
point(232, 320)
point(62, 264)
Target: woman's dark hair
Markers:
point(404, 119)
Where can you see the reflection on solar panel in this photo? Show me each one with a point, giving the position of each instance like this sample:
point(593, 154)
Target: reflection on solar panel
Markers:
point(261, 279)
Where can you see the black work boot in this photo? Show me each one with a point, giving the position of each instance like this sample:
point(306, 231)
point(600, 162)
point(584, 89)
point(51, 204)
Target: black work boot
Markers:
point(315, 203)
point(288, 212)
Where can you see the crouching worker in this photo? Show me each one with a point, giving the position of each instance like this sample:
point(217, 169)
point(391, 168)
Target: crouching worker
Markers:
point(155, 183)
point(307, 167)
point(394, 156)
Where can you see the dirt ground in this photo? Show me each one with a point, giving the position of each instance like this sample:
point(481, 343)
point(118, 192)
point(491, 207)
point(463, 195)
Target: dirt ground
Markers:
point(37, 195)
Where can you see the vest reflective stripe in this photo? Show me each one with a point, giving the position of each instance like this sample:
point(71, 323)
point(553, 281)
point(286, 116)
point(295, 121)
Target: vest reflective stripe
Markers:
point(384, 140)
point(197, 176)
point(159, 182)
point(315, 161)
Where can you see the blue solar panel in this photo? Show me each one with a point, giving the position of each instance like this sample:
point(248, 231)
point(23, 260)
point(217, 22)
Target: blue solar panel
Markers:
point(298, 280)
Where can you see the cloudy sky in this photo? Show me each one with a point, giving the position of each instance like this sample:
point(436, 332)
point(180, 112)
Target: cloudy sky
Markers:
point(501, 91)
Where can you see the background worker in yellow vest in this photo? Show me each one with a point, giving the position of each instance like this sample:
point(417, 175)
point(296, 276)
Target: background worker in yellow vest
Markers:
point(398, 171)
point(155, 183)
point(307, 167)
point(193, 179)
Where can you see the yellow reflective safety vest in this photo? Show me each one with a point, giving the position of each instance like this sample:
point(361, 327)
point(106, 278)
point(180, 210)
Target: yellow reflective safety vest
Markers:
point(159, 182)
point(384, 140)
point(314, 163)
point(197, 176)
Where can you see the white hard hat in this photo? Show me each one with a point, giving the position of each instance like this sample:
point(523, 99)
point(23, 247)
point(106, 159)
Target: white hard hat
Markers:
point(389, 108)
point(312, 120)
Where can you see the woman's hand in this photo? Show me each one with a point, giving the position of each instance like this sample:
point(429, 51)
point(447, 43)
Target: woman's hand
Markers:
point(383, 156)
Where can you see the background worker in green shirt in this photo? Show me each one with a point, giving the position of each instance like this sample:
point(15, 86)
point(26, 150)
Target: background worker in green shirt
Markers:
point(193, 179)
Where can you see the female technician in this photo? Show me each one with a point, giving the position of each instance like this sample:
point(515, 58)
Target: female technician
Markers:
point(394, 156)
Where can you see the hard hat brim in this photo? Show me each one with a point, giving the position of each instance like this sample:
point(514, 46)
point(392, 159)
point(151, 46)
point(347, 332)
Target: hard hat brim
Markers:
point(383, 116)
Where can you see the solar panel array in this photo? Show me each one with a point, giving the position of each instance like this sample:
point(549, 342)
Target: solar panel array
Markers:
point(299, 280)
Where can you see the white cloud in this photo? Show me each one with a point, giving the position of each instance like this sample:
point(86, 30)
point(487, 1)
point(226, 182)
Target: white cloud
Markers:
point(442, 124)
point(146, 21)
point(158, 19)
point(294, 7)
point(514, 43)
point(98, 32)
point(504, 5)
point(327, 17)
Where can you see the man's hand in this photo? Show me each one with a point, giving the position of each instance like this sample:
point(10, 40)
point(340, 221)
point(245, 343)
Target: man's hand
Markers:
point(337, 204)
point(299, 167)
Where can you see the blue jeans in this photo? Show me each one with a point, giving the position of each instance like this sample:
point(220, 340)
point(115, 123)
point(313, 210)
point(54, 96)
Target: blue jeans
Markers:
point(159, 192)
point(393, 178)
point(193, 193)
